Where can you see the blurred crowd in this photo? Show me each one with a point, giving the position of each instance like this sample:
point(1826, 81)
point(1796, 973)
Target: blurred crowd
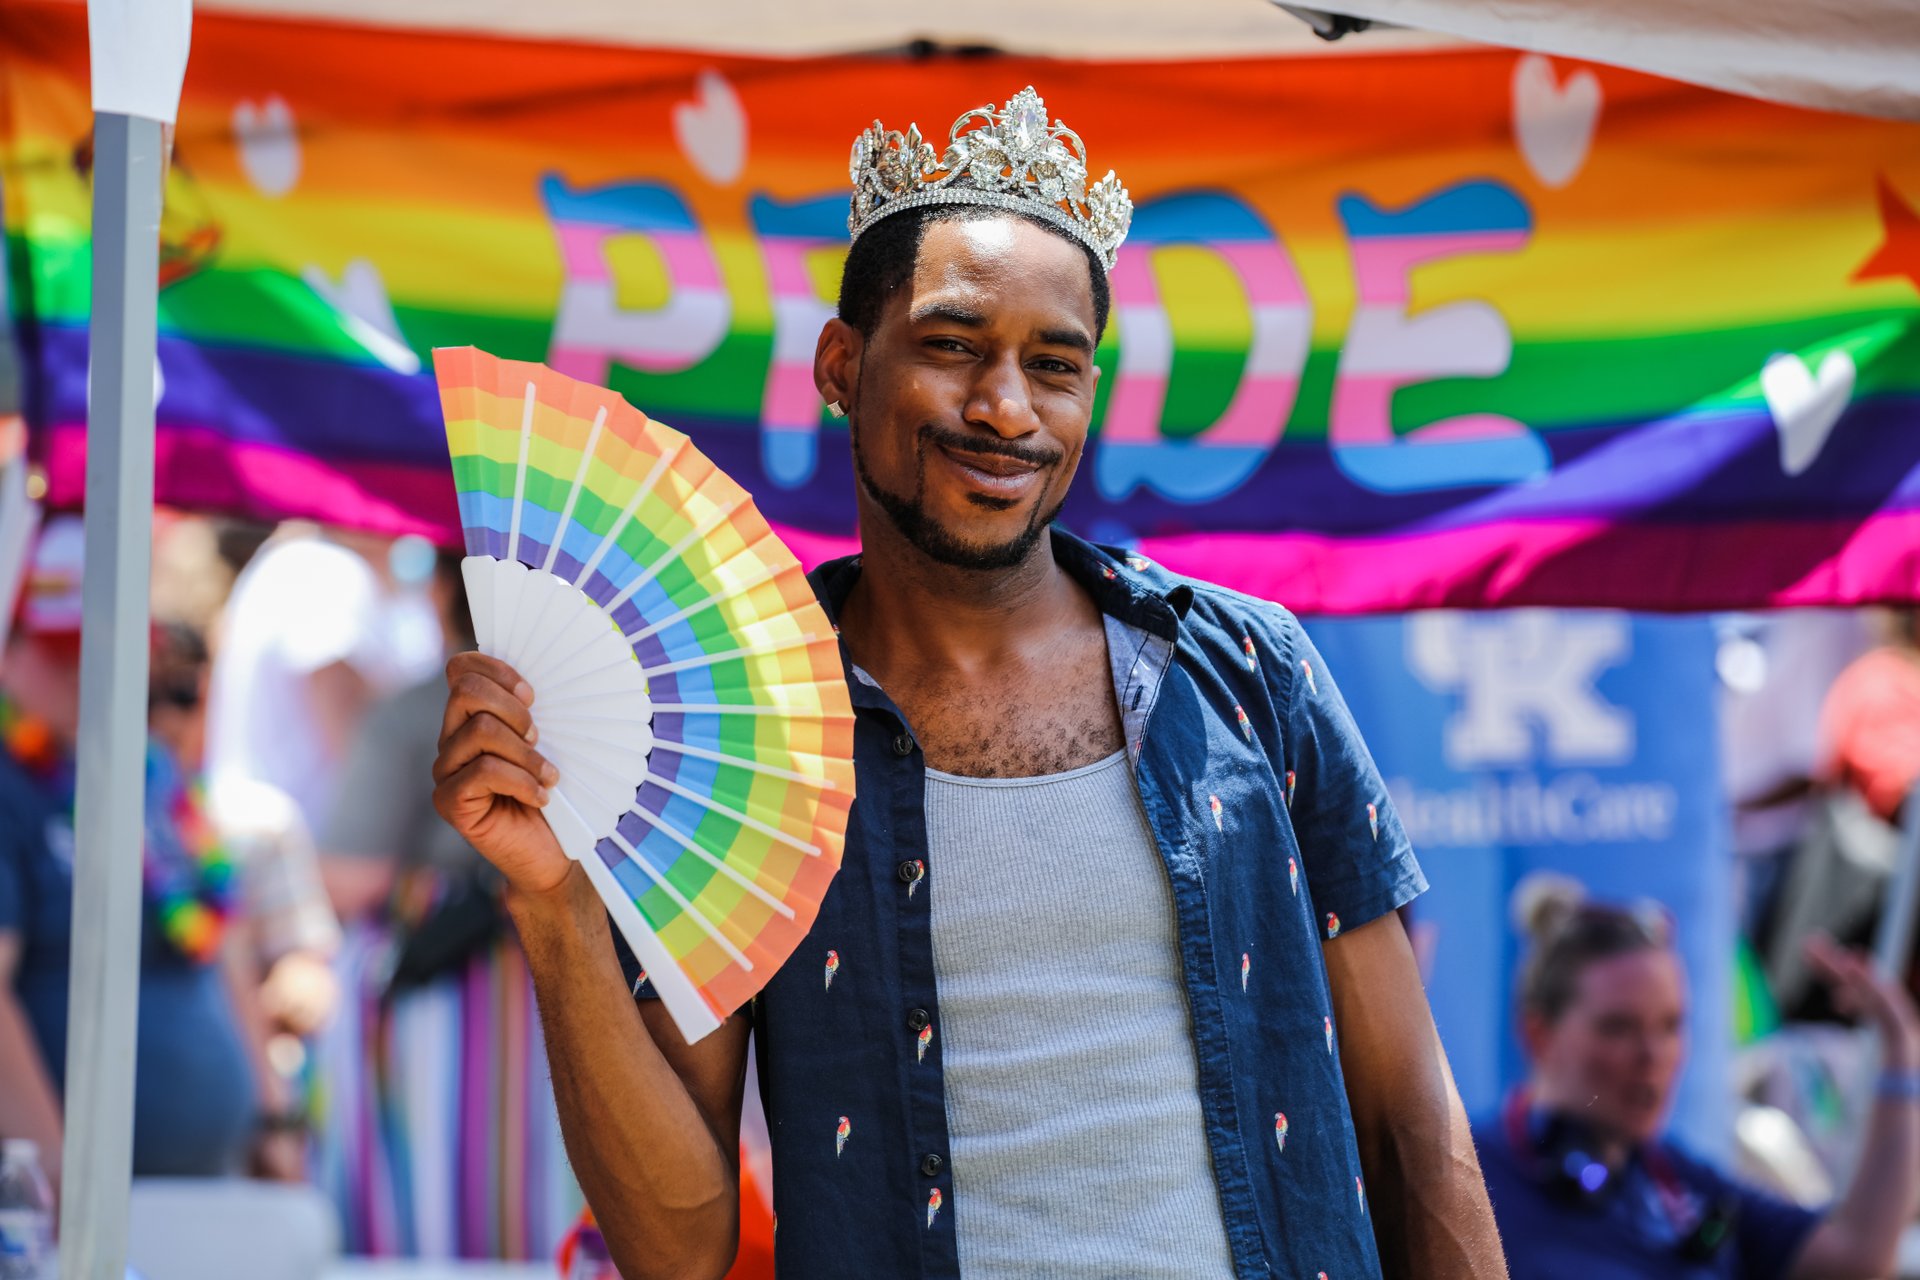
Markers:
point(329, 995)
point(327, 992)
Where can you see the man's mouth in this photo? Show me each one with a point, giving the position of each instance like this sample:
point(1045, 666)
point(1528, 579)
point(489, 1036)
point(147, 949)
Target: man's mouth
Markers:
point(997, 475)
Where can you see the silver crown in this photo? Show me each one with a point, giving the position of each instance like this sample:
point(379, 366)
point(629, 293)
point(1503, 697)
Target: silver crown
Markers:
point(1014, 160)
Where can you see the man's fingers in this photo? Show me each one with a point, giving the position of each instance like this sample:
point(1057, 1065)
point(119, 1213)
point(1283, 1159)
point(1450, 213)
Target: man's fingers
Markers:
point(486, 734)
point(492, 668)
point(477, 786)
point(471, 691)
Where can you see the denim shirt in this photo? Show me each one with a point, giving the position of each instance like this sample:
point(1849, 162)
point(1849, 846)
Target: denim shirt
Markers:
point(1277, 834)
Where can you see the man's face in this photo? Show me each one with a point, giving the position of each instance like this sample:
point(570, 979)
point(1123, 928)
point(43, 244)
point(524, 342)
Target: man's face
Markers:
point(973, 395)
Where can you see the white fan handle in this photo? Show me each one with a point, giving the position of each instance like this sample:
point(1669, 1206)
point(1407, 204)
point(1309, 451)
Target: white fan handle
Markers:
point(689, 1008)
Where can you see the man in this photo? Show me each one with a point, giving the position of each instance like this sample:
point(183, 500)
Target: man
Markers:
point(1079, 1018)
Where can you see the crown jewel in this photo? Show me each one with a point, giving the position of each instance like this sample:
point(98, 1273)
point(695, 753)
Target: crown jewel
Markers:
point(1014, 160)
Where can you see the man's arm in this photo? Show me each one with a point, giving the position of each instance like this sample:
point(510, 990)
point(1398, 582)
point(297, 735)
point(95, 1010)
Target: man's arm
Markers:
point(1429, 1205)
point(1861, 1234)
point(652, 1125)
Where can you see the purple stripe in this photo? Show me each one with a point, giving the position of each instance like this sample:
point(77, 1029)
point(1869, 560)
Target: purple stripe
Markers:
point(371, 425)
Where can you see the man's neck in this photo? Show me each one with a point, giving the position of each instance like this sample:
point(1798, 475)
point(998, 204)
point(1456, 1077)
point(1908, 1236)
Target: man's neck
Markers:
point(909, 614)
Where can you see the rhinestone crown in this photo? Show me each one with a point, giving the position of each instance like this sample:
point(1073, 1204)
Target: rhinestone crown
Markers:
point(1012, 160)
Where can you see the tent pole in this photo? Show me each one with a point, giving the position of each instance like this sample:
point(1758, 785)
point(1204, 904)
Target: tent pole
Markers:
point(102, 1001)
point(1893, 939)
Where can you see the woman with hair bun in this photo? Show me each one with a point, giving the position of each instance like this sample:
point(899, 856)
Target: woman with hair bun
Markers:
point(1583, 1183)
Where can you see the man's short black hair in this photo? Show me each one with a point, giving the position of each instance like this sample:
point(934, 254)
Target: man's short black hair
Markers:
point(882, 260)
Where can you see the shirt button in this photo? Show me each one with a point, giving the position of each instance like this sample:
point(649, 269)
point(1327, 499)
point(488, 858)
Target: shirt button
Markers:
point(931, 1165)
point(903, 745)
point(911, 870)
point(917, 1020)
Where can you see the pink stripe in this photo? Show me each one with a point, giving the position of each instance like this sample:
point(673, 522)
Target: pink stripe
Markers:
point(787, 266)
point(689, 260)
point(1266, 270)
point(791, 402)
point(1381, 263)
point(580, 250)
point(1574, 563)
point(688, 257)
point(1258, 415)
point(1571, 562)
point(1131, 280)
point(1361, 411)
point(816, 548)
point(203, 470)
point(1468, 426)
point(1133, 415)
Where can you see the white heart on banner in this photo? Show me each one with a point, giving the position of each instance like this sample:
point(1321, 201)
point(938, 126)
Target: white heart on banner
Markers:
point(269, 145)
point(712, 129)
point(1554, 122)
point(1806, 406)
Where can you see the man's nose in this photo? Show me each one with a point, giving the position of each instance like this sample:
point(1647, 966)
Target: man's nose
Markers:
point(1000, 399)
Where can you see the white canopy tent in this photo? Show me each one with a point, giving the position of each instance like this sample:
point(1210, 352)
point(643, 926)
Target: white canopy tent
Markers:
point(1860, 56)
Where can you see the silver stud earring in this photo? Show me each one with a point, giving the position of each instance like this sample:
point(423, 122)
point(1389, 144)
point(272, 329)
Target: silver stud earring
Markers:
point(834, 408)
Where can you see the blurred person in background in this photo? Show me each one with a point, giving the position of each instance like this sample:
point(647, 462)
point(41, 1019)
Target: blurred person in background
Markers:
point(284, 931)
point(1870, 724)
point(1582, 1181)
point(313, 634)
point(1848, 853)
point(200, 1109)
point(436, 1063)
point(382, 827)
point(1775, 669)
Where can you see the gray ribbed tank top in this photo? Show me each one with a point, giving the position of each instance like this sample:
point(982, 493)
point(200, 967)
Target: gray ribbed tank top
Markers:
point(1073, 1105)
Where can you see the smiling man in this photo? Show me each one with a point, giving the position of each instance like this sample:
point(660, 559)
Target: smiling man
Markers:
point(1113, 983)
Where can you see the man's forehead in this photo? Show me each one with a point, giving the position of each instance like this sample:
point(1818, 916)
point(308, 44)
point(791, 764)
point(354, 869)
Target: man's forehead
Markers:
point(1000, 263)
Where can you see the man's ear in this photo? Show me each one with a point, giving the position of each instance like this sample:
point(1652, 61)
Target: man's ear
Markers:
point(836, 362)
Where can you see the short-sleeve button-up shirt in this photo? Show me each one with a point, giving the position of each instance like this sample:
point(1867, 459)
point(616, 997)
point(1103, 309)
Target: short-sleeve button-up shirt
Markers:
point(1276, 833)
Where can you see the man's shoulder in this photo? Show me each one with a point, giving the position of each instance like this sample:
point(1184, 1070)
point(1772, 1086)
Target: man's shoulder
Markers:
point(1235, 615)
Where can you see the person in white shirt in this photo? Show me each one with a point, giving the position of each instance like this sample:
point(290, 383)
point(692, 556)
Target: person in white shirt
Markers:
point(308, 642)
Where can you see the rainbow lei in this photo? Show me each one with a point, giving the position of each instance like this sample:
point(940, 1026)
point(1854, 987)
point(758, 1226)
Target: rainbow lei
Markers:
point(187, 872)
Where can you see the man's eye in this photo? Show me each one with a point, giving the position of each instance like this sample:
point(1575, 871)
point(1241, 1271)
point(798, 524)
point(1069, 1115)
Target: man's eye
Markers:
point(947, 344)
point(1050, 365)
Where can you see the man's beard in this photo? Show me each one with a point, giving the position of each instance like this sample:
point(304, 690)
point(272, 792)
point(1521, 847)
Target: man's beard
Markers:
point(909, 515)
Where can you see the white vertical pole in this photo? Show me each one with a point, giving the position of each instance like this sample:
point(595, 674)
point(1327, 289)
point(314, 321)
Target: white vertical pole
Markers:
point(138, 55)
point(103, 997)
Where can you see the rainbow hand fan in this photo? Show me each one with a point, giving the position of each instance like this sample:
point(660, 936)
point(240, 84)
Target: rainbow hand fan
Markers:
point(687, 685)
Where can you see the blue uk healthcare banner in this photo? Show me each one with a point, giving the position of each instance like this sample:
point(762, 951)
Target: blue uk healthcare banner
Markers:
point(1581, 742)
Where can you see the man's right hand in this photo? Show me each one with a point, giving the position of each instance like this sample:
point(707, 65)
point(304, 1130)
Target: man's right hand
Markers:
point(489, 782)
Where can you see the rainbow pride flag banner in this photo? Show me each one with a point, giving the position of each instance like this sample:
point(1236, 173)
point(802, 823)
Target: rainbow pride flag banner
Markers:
point(1392, 331)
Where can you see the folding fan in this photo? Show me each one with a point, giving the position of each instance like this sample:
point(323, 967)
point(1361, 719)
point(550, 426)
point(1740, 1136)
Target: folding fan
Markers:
point(687, 685)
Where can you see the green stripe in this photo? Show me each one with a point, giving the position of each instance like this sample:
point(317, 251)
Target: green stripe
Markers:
point(1547, 385)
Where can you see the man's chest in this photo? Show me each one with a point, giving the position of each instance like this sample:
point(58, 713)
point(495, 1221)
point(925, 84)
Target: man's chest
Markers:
point(1042, 718)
